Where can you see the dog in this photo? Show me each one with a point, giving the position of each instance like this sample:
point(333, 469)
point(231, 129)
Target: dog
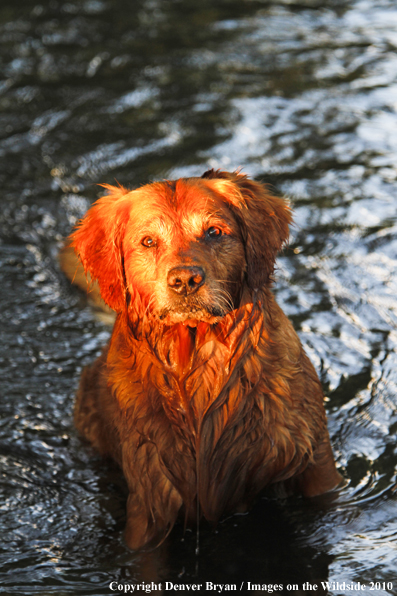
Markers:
point(204, 395)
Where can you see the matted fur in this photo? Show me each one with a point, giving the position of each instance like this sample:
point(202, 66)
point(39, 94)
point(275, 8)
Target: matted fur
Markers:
point(204, 395)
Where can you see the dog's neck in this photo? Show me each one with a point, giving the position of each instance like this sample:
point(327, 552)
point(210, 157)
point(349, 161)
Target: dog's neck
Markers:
point(179, 347)
point(188, 365)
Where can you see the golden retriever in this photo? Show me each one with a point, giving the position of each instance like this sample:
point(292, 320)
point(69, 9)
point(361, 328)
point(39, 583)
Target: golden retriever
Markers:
point(204, 395)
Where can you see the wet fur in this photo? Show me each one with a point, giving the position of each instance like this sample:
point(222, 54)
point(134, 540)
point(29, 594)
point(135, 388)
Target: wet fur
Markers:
point(203, 399)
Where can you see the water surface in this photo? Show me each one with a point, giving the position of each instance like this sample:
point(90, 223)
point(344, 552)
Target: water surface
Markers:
point(301, 94)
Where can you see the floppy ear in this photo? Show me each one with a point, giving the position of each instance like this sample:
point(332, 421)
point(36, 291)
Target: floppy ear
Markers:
point(263, 218)
point(98, 241)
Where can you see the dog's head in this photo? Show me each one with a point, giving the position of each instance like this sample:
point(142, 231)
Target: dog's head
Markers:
point(184, 249)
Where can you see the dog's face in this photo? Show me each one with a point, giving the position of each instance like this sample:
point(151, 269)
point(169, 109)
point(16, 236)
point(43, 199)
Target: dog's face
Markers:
point(184, 253)
point(183, 250)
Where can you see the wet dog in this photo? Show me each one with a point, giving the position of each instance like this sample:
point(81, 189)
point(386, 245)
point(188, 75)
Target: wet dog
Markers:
point(204, 395)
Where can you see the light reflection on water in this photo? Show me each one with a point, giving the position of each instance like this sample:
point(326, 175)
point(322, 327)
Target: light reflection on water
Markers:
point(303, 95)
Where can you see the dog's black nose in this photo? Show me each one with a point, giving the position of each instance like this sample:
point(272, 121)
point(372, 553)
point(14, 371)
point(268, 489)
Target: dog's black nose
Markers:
point(185, 280)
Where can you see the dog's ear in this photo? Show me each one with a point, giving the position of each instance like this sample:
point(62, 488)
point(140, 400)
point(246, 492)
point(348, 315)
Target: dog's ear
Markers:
point(263, 218)
point(98, 241)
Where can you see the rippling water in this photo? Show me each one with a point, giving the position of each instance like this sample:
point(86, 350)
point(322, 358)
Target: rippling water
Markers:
point(302, 94)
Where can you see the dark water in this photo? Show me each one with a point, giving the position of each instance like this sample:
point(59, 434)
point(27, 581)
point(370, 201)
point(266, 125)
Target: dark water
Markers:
point(300, 93)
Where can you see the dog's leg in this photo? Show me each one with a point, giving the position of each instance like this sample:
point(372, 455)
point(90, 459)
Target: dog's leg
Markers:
point(153, 503)
point(320, 476)
point(146, 526)
point(142, 528)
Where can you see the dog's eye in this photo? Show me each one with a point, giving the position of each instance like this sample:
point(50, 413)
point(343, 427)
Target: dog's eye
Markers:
point(148, 242)
point(214, 232)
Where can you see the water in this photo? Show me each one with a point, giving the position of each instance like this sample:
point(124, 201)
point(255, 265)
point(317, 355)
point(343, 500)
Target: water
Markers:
point(302, 94)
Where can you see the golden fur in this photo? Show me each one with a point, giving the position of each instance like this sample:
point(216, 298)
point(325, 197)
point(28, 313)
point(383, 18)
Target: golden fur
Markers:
point(204, 395)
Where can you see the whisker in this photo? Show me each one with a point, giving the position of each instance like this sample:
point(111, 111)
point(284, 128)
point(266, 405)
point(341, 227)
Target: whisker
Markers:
point(224, 299)
point(226, 281)
point(223, 292)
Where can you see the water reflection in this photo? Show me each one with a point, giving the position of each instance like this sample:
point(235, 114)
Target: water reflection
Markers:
point(302, 94)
